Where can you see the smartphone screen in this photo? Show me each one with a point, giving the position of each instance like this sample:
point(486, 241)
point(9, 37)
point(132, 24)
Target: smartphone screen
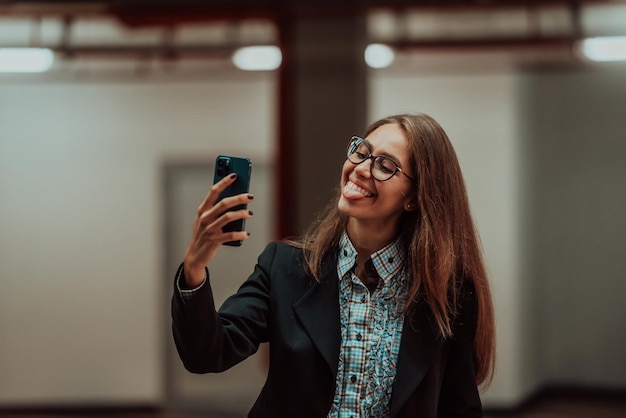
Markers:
point(224, 166)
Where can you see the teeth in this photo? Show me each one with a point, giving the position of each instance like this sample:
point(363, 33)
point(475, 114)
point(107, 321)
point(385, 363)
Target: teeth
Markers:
point(354, 188)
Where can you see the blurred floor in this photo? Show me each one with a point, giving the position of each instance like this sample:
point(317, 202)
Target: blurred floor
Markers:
point(552, 404)
point(569, 404)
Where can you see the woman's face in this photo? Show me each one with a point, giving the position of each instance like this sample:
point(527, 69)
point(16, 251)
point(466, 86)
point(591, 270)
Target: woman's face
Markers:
point(367, 199)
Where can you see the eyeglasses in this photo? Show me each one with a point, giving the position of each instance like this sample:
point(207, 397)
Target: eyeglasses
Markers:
point(382, 167)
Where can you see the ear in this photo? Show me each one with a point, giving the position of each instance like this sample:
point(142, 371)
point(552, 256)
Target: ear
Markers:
point(410, 202)
point(410, 206)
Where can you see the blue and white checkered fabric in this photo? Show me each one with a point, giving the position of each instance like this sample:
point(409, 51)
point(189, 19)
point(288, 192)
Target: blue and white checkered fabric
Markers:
point(371, 330)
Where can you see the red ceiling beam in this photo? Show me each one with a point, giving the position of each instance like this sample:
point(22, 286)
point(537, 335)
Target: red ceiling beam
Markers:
point(160, 12)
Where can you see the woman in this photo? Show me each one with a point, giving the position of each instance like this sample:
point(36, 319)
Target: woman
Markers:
point(382, 309)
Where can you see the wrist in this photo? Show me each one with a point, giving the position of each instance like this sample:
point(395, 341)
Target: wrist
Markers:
point(193, 276)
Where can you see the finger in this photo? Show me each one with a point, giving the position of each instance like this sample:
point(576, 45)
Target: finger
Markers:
point(214, 192)
point(212, 230)
point(211, 214)
point(235, 236)
point(231, 216)
point(233, 201)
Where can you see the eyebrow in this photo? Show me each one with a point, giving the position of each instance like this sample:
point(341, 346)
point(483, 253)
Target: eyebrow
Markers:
point(385, 154)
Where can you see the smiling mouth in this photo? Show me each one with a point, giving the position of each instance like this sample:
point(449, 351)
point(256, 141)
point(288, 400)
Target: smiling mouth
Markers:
point(352, 191)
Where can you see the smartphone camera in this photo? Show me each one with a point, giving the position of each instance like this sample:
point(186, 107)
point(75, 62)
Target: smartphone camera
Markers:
point(223, 167)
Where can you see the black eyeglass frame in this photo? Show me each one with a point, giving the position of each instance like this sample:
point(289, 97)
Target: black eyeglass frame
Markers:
point(374, 158)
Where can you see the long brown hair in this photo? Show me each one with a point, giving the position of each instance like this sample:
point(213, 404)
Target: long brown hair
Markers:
point(443, 246)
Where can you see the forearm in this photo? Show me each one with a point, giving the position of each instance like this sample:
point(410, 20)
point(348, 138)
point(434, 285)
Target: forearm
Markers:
point(195, 325)
point(210, 341)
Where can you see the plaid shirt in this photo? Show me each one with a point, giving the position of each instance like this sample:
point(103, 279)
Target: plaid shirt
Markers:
point(371, 329)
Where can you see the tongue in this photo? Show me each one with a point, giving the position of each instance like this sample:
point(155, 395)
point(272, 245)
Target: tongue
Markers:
point(350, 193)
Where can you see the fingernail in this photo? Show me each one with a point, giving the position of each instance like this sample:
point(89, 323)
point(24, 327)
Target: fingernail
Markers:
point(250, 196)
point(250, 212)
point(248, 233)
point(232, 175)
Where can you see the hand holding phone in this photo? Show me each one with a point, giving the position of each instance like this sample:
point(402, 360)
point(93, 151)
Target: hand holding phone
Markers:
point(225, 165)
point(229, 193)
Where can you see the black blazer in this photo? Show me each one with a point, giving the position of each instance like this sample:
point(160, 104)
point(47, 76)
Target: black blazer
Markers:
point(299, 316)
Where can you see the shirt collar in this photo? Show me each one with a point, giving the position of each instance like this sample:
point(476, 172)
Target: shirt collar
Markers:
point(388, 261)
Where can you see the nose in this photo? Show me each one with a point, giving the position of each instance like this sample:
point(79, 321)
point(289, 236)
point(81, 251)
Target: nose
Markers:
point(363, 169)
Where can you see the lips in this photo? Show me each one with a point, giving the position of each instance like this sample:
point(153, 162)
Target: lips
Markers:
point(352, 191)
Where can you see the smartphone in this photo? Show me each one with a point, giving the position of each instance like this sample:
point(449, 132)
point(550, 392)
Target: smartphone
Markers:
point(224, 166)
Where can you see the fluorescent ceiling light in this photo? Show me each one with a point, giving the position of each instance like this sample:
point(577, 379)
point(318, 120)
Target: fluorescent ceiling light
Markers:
point(25, 60)
point(379, 55)
point(606, 48)
point(258, 58)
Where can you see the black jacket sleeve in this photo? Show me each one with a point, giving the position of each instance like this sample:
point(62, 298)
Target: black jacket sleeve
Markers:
point(213, 341)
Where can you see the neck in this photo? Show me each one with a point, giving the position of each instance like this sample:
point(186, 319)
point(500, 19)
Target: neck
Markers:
point(367, 239)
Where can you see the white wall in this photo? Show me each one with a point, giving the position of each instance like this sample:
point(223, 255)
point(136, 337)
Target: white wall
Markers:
point(575, 228)
point(81, 284)
point(479, 113)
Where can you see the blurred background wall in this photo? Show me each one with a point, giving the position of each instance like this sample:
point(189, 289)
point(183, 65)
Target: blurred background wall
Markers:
point(104, 158)
point(82, 308)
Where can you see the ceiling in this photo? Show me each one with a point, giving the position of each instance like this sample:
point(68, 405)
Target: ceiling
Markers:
point(159, 12)
point(213, 28)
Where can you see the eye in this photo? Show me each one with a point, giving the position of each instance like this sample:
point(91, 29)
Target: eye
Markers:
point(386, 165)
point(362, 151)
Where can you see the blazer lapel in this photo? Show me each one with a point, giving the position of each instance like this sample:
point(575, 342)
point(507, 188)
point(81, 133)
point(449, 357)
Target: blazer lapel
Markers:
point(419, 342)
point(318, 310)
